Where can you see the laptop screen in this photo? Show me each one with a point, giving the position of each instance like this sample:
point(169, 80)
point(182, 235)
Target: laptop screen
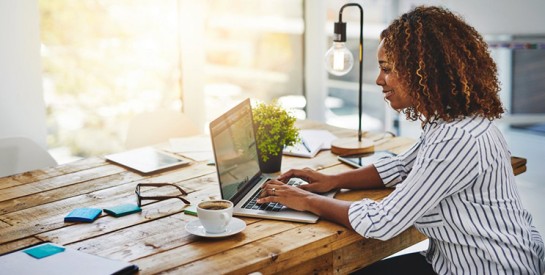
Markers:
point(235, 149)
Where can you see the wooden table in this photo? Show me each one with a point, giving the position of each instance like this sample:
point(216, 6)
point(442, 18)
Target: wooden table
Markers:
point(33, 205)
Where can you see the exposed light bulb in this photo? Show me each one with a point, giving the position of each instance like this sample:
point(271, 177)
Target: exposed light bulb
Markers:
point(338, 59)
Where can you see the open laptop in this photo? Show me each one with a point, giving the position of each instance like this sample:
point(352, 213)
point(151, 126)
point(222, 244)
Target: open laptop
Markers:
point(240, 180)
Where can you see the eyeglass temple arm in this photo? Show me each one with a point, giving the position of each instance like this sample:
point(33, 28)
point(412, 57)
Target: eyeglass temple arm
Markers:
point(137, 191)
point(163, 184)
point(165, 198)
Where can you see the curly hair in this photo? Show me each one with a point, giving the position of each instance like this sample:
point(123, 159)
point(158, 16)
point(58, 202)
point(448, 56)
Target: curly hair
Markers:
point(445, 65)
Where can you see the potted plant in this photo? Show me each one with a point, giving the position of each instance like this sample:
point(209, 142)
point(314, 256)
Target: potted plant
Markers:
point(274, 128)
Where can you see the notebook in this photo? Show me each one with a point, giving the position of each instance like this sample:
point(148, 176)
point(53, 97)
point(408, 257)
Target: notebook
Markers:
point(312, 141)
point(237, 166)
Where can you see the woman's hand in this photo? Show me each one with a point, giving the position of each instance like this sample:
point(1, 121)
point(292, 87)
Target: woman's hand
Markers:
point(290, 196)
point(302, 200)
point(303, 197)
point(317, 182)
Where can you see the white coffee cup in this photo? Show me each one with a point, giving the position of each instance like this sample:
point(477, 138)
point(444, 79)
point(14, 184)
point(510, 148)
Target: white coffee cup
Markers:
point(215, 215)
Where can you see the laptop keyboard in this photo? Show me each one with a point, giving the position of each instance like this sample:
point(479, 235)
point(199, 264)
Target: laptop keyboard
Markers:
point(271, 206)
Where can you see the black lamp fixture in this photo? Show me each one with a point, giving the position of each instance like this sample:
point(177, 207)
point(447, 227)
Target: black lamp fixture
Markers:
point(339, 61)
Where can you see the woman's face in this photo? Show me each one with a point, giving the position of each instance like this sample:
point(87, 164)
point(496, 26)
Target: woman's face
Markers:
point(392, 88)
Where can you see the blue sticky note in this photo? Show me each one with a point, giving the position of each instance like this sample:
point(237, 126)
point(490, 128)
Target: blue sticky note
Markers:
point(122, 210)
point(43, 251)
point(83, 215)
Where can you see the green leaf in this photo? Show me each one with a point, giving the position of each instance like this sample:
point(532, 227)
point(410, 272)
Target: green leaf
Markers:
point(275, 128)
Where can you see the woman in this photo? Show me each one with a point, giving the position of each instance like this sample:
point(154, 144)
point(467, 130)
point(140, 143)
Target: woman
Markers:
point(456, 184)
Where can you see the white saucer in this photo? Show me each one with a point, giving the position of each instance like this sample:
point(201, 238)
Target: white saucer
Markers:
point(196, 228)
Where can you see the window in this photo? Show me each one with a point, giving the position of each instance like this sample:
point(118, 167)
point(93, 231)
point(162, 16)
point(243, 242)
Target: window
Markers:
point(104, 61)
point(251, 49)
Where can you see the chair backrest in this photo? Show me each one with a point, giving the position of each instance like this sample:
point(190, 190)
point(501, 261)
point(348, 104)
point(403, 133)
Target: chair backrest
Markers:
point(19, 154)
point(158, 126)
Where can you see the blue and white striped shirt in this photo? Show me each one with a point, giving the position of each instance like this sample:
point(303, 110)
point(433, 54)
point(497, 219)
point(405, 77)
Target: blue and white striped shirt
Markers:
point(456, 186)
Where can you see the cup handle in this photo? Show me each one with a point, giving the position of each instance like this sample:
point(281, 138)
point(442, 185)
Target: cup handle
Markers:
point(225, 218)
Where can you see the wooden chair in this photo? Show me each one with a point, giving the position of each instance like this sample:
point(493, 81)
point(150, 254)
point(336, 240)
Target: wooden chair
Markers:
point(150, 128)
point(519, 165)
point(20, 154)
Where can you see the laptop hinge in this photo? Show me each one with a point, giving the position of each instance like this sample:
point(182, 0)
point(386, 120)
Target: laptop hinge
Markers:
point(246, 188)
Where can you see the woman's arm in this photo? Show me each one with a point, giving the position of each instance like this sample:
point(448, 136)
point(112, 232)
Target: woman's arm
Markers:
point(362, 178)
point(302, 200)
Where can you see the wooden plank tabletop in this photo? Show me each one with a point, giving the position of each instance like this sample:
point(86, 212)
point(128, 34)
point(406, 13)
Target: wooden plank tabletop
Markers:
point(33, 205)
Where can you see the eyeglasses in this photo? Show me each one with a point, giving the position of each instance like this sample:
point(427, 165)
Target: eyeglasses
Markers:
point(140, 198)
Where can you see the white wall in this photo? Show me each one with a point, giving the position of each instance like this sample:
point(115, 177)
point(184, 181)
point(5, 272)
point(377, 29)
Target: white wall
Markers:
point(22, 108)
point(315, 46)
point(493, 16)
